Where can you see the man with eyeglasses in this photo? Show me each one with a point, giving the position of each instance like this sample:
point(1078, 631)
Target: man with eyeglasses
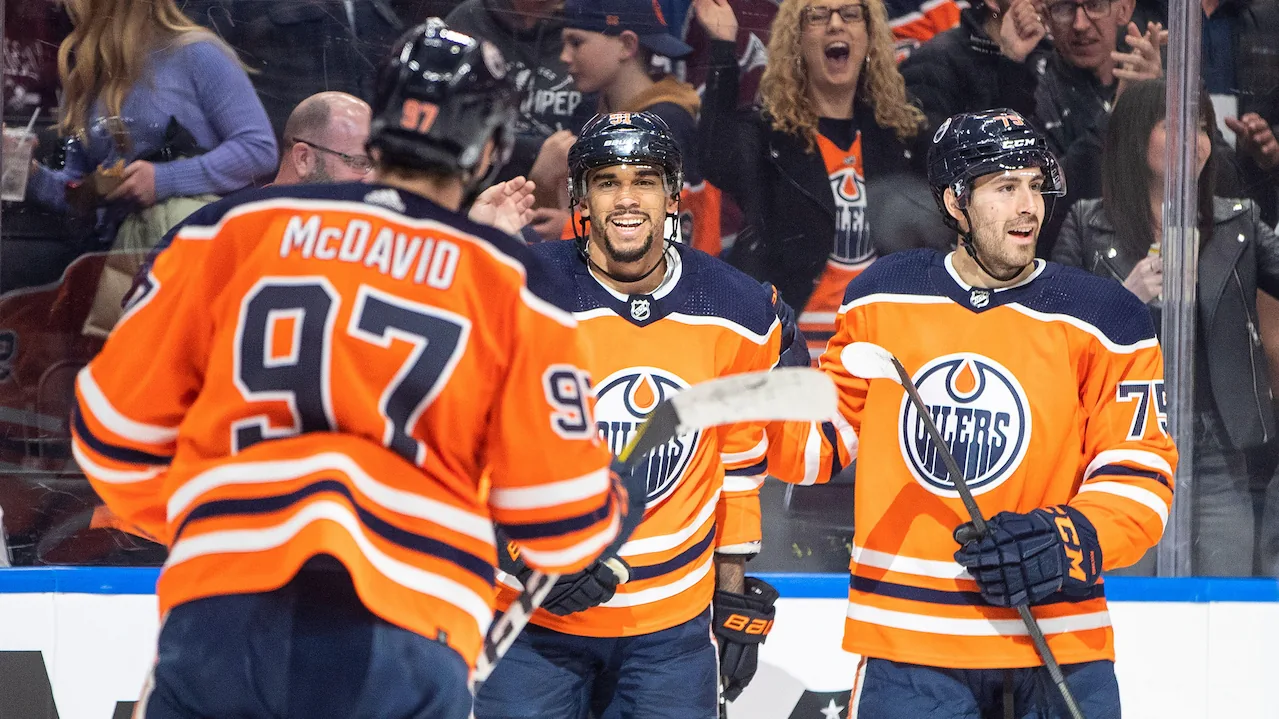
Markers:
point(324, 141)
point(1082, 80)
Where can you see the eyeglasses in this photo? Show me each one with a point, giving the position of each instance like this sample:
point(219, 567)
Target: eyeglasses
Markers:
point(360, 163)
point(820, 14)
point(1063, 13)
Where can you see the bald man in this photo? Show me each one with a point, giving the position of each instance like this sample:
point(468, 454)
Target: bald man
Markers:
point(324, 140)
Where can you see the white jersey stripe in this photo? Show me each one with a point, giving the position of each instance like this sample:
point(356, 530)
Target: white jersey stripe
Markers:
point(979, 627)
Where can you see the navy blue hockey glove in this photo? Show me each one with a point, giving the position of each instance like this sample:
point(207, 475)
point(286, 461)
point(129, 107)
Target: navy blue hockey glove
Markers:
point(588, 588)
point(742, 623)
point(572, 592)
point(794, 346)
point(1024, 558)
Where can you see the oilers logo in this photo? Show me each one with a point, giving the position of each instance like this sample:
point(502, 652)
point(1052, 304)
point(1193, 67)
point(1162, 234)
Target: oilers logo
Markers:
point(852, 240)
point(624, 400)
point(982, 414)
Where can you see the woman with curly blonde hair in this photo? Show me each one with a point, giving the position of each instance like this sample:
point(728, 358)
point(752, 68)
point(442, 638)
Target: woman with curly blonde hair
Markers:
point(812, 165)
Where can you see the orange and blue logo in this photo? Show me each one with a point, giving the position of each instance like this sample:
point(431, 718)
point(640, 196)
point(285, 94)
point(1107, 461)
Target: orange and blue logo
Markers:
point(624, 400)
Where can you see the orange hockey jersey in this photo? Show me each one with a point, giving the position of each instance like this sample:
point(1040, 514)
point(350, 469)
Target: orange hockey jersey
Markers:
point(1046, 393)
point(329, 370)
point(706, 320)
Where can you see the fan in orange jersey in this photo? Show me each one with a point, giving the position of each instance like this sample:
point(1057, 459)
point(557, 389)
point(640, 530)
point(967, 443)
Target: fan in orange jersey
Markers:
point(1047, 385)
point(658, 317)
point(302, 397)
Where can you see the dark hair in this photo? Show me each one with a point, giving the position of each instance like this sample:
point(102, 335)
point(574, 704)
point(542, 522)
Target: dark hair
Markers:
point(1125, 172)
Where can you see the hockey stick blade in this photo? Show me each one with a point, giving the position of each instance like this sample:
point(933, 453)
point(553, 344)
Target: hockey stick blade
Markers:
point(801, 394)
point(791, 393)
point(869, 361)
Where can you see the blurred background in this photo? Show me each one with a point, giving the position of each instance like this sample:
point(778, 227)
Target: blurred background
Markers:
point(1167, 141)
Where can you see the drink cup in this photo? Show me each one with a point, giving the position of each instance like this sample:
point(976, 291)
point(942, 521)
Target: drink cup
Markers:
point(18, 145)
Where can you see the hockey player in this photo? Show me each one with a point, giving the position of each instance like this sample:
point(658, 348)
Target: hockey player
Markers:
point(631, 635)
point(1047, 385)
point(300, 402)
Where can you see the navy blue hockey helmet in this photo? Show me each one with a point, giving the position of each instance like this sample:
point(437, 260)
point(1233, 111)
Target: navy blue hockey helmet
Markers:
point(972, 144)
point(624, 138)
point(439, 99)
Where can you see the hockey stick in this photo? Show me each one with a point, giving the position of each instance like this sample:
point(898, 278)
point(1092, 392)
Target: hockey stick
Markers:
point(800, 394)
point(870, 361)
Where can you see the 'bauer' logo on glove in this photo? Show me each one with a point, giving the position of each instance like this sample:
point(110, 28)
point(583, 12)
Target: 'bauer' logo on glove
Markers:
point(742, 623)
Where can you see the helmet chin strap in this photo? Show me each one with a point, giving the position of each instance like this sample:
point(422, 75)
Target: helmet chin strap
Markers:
point(971, 247)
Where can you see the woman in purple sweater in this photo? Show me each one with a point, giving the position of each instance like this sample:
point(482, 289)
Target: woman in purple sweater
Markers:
point(127, 69)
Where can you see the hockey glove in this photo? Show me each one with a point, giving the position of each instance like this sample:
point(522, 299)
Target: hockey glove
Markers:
point(794, 346)
point(588, 588)
point(1024, 558)
point(742, 623)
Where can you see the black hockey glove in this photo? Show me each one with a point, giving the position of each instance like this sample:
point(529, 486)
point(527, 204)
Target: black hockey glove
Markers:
point(1024, 558)
point(794, 346)
point(588, 588)
point(572, 592)
point(742, 623)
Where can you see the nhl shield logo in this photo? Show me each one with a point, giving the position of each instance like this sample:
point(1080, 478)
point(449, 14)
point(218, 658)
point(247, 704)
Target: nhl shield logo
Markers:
point(624, 400)
point(979, 298)
point(983, 416)
point(639, 309)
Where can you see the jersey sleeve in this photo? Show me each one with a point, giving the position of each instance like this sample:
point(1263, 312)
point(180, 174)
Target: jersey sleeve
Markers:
point(744, 454)
point(552, 492)
point(814, 452)
point(131, 398)
point(1127, 487)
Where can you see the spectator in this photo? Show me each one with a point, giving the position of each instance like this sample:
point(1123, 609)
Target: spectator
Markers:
point(1118, 236)
point(324, 140)
point(915, 22)
point(1240, 68)
point(1080, 84)
point(528, 34)
point(299, 47)
point(161, 119)
point(609, 46)
point(134, 70)
point(32, 33)
point(834, 133)
point(993, 59)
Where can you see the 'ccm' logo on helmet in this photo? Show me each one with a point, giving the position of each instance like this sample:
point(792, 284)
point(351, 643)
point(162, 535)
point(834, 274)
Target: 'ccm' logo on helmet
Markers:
point(1020, 142)
point(982, 414)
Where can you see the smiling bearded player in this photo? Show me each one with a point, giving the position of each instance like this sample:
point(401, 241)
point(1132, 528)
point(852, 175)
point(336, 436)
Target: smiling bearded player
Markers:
point(1046, 384)
point(632, 634)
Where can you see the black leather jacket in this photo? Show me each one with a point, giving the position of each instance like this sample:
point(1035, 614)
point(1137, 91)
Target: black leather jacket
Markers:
point(1241, 256)
point(785, 193)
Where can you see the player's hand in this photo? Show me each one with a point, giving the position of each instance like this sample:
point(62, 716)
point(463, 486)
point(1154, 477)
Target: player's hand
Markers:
point(1256, 139)
point(588, 588)
point(1146, 279)
point(794, 345)
point(1021, 30)
point(742, 622)
point(1024, 558)
point(508, 206)
point(138, 185)
point(1144, 62)
point(717, 19)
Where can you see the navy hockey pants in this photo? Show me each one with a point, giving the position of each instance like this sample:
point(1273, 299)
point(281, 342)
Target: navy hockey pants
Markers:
point(309, 650)
point(671, 674)
point(892, 690)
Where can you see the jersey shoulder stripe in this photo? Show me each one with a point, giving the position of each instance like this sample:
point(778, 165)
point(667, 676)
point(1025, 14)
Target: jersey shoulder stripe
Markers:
point(721, 290)
point(901, 273)
point(1097, 302)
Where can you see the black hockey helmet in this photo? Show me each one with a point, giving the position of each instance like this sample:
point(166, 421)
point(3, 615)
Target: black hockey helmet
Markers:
point(439, 98)
point(973, 144)
point(624, 138)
